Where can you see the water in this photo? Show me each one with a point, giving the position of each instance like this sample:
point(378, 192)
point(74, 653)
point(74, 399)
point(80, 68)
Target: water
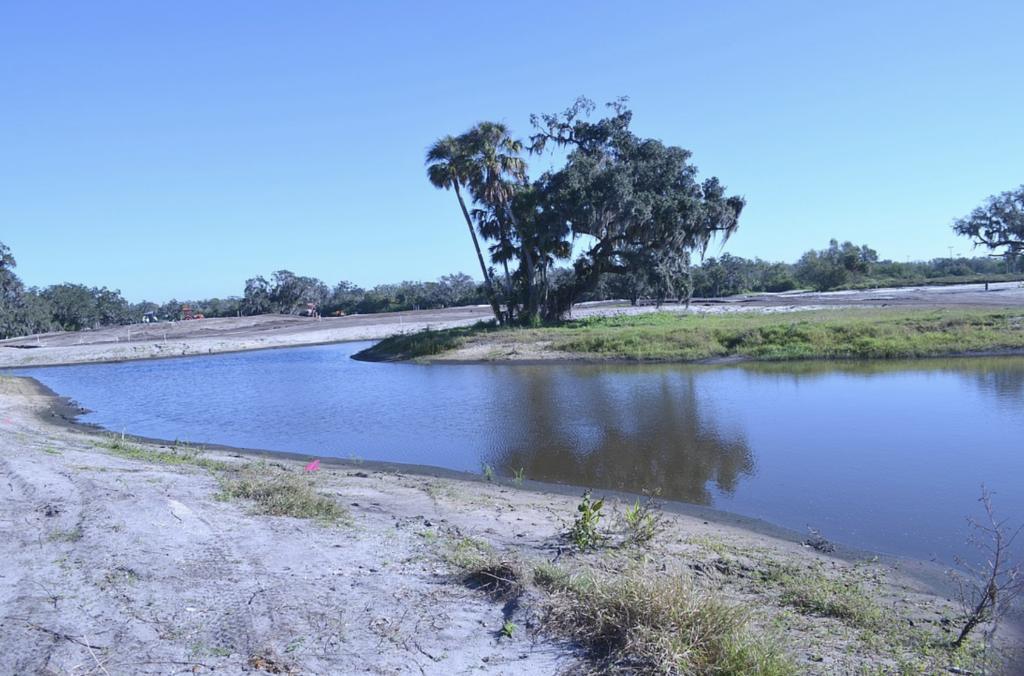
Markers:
point(888, 456)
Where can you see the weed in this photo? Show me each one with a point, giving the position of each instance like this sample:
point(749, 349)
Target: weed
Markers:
point(988, 593)
point(641, 522)
point(278, 492)
point(72, 535)
point(508, 628)
point(517, 476)
point(584, 531)
point(488, 472)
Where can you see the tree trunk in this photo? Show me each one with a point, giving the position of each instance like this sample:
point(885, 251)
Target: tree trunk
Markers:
point(488, 286)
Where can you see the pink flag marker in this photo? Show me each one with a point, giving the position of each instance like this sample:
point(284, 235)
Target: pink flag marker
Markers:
point(313, 466)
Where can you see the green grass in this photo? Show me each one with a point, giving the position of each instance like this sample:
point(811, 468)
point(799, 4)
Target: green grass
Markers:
point(822, 334)
point(277, 492)
point(426, 343)
point(178, 454)
point(272, 491)
point(844, 596)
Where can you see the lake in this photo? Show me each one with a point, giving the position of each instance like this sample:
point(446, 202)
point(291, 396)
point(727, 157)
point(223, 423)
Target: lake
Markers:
point(887, 456)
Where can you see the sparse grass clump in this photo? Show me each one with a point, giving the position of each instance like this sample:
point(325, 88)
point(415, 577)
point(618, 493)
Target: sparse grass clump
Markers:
point(643, 622)
point(639, 620)
point(178, 454)
point(277, 492)
point(842, 596)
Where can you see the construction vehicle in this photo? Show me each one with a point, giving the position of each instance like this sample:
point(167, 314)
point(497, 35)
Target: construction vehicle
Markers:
point(186, 313)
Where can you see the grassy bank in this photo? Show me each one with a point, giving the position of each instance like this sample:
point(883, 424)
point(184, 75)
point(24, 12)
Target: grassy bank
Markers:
point(671, 336)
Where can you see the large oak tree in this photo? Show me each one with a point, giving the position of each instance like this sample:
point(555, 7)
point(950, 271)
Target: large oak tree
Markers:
point(634, 205)
point(997, 225)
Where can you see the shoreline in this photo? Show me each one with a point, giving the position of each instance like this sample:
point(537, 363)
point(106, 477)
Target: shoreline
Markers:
point(63, 412)
point(241, 334)
point(139, 562)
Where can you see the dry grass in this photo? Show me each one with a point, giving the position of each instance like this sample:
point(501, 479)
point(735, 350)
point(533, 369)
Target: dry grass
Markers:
point(278, 492)
point(642, 621)
point(639, 621)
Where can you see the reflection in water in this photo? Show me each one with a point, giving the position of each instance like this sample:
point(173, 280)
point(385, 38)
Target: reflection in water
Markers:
point(606, 428)
point(999, 378)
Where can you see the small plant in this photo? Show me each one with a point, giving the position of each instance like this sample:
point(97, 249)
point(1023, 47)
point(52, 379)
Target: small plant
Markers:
point(641, 522)
point(584, 531)
point(508, 628)
point(517, 476)
point(72, 535)
point(488, 472)
point(987, 593)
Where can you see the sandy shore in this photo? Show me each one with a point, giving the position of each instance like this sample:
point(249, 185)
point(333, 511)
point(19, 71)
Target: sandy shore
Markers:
point(114, 565)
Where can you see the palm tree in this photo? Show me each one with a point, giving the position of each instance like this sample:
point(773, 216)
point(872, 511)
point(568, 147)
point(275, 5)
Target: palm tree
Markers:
point(498, 175)
point(449, 166)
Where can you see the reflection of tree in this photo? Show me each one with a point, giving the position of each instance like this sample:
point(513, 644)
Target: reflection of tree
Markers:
point(626, 430)
point(1000, 377)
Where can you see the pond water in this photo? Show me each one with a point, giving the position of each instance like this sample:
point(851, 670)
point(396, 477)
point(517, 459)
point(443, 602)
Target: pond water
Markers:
point(888, 456)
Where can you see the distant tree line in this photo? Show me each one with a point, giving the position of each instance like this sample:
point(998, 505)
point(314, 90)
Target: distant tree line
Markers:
point(650, 275)
point(76, 307)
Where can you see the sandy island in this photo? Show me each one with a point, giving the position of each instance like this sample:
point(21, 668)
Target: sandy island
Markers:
point(114, 565)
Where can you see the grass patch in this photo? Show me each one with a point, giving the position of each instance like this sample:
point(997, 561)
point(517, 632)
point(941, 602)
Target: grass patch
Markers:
point(178, 454)
point(640, 620)
point(811, 590)
point(670, 336)
point(426, 343)
point(849, 334)
point(644, 622)
point(277, 492)
point(73, 535)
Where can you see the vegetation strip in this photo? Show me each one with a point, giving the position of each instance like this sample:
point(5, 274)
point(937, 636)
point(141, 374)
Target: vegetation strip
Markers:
point(677, 337)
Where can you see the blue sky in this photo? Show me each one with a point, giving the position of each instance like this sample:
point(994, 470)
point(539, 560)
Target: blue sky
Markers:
point(175, 149)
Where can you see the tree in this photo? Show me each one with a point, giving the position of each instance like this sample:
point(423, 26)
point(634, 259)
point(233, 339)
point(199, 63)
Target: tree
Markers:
point(987, 593)
point(637, 200)
point(449, 166)
point(835, 266)
point(10, 292)
point(635, 203)
point(256, 299)
point(997, 225)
